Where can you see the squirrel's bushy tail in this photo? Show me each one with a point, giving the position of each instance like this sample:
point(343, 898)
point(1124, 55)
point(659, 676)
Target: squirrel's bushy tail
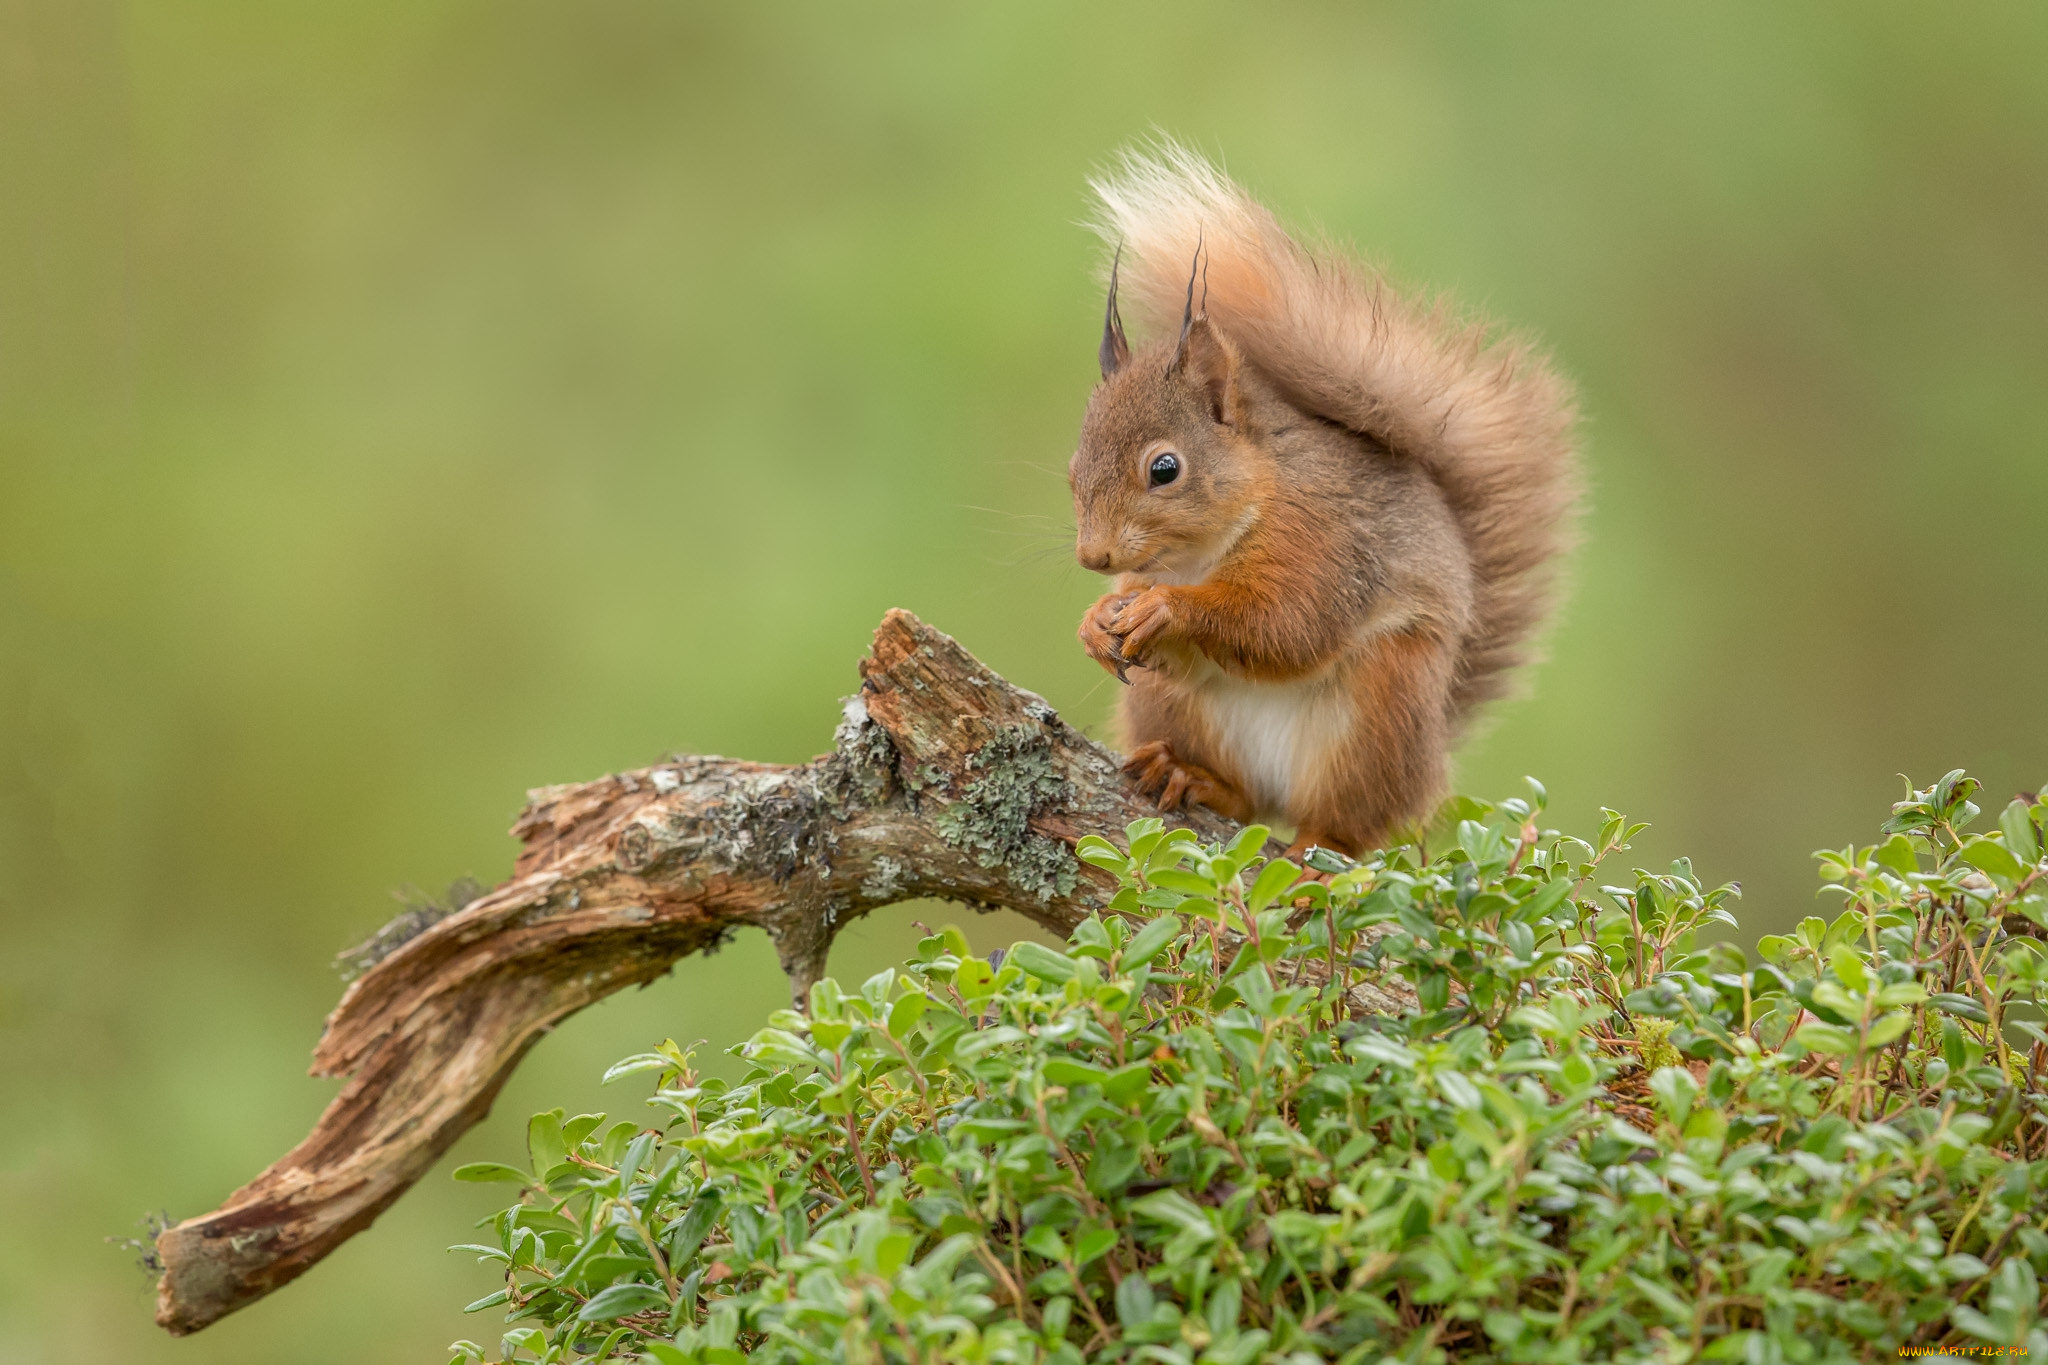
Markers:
point(1489, 420)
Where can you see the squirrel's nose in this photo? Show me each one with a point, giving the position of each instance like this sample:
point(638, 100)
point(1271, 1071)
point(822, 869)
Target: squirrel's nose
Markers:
point(1094, 558)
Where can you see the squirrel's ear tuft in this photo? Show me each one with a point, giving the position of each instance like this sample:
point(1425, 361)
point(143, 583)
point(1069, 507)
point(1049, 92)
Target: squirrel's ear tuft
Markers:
point(1210, 363)
point(1198, 266)
point(1115, 352)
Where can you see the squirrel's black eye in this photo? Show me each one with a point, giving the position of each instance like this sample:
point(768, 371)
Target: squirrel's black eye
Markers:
point(1165, 469)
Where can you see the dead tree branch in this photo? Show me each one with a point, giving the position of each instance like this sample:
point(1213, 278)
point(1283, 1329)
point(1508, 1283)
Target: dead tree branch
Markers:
point(945, 782)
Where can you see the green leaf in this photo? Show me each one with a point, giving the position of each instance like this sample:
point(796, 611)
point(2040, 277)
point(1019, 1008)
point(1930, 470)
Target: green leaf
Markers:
point(483, 1172)
point(1962, 1006)
point(905, 1014)
point(1433, 990)
point(545, 1144)
point(1744, 1345)
point(1273, 882)
point(1126, 1082)
point(1963, 1266)
point(1460, 1091)
point(1150, 941)
point(1886, 1028)
point(1901, 993)
point(591, 1249)
point(1828, 998)
point(1099, 852)
point(1111, 1166)
point(1578, 1072)
point(974, 978)
point(1142, 836)
point(776, 1047)
point(838, 1098)
point(1248, 842)
point(1068, 1072)
point(1254, 986)
point(1091, 938)
point(579, 1128)
point(1043, 962)
point(1676, 1090)
point(1093, 1244)
point(1609, 1251)
point(1326, 860)
point(1775, 948)
point(2016, 822)
point(619, 1300)
point(983, 1041)
point(1505, 1328)
point(1675, 1309)
point(1134, 1302)
point(483, 1252)
point(1847, 928)
point(1830, 1038)
point(1547, 899)
point(891, 1252)
point(1993, 860)
point(635, 1157)
point(1176, 1209)
point(1897, 854)
point(604, 1348)
point(1187, 883)
point(1046, 1242)
point(639, 1062)
point(689, 1231)
point(875, 991)
point(828, 1034)
point(1848, 965)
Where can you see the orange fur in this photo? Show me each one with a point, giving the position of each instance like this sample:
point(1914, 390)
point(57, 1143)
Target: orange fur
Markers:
point(1359, 532)
point(1398, 749)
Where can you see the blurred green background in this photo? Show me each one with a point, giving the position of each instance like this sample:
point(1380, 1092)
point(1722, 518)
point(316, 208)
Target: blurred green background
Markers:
point(402, 405)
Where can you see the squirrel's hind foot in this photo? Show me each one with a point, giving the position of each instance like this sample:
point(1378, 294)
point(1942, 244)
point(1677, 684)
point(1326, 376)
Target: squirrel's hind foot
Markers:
point(1171, 783)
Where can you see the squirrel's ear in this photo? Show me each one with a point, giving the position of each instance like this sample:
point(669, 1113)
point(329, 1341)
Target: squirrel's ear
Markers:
point(1203, 354)
point(1115, 352)
point(1210, 362)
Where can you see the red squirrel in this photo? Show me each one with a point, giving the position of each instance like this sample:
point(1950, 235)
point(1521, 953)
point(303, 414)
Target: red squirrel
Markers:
point(1333, 513)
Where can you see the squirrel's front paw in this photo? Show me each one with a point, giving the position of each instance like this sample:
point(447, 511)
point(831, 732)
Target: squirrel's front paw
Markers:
point(1099, 637)
point(1141, 622)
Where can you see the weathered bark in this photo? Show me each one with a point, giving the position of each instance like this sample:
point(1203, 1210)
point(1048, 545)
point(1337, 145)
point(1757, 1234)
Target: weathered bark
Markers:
point(945, 782)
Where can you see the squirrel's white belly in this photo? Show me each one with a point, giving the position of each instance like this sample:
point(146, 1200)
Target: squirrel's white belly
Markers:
point(1277, 734)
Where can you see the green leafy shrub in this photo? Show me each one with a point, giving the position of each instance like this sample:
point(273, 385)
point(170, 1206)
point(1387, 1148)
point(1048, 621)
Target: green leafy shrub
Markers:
point(1182, 1139)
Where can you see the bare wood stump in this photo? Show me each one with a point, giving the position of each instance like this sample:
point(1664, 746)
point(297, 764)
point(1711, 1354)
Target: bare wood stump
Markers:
point(945, 782)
